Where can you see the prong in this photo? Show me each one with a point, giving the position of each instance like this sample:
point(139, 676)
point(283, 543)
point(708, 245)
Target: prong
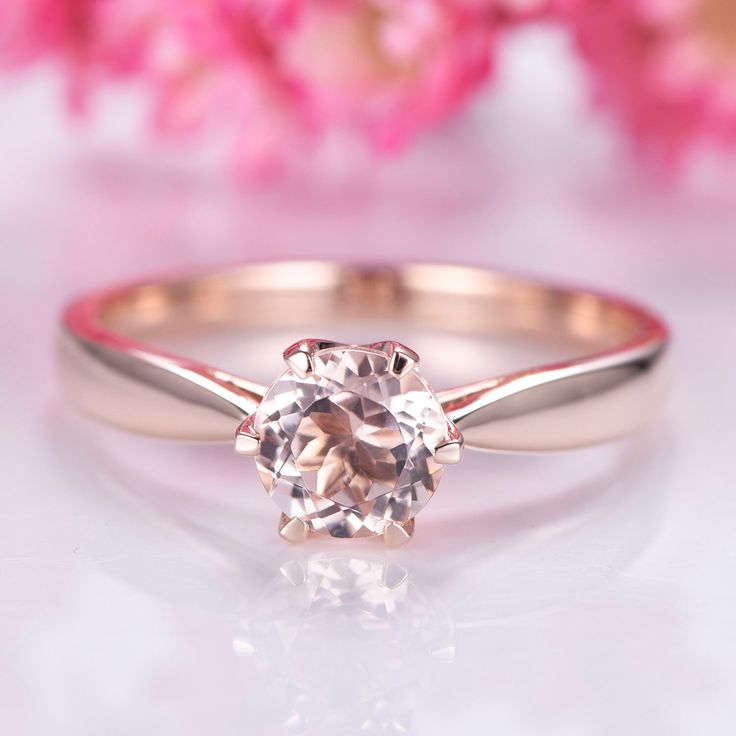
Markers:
point(450, 450)
point(294, 530)
point(300, 356)
point(401, 359)
point(397, 533)
point(247, 441)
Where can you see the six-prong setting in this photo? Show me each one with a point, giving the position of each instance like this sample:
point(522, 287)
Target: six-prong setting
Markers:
point(350, 441)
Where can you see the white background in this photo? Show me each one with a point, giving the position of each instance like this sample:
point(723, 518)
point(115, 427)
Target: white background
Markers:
point(143, 588)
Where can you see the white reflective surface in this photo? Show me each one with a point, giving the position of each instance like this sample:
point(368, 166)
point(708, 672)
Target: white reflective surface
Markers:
point(143, 588)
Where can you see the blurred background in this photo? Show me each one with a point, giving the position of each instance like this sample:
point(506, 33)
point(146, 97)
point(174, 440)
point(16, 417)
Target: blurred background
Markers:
point(142, 584)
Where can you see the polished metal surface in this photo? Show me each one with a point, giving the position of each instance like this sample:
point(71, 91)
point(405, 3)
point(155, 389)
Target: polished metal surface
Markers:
point(607, 390)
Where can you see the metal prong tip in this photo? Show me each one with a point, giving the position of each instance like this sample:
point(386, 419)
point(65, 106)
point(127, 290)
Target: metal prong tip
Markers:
point(401, 359)
point(301, 363)
point(396, 534)
point(450, 450)
point(293, 530)
point(299, 359)
point(247, 441)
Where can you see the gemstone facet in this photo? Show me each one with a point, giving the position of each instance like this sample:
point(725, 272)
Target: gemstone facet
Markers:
point(348, 446)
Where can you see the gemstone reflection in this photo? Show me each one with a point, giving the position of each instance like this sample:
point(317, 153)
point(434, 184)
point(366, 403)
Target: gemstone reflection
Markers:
point(345, 644)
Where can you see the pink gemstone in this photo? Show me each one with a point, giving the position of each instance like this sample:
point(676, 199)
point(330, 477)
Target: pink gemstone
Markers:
point(349, 447)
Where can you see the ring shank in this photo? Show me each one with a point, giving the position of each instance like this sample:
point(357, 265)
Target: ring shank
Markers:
point(608, 390)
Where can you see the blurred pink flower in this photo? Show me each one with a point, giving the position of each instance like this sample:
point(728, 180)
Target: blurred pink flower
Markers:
point(510, 13)
point(266, 76)
point(92, 39)
point(667, 67)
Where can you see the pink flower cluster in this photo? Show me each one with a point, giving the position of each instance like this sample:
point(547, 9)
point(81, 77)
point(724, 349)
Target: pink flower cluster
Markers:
point(666, 68)
point(268, 76)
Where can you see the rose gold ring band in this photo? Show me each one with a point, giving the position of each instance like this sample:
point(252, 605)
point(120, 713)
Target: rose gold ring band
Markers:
point(610, 388)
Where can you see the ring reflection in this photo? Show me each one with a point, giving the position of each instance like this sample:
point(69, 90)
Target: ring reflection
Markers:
point(345, 643)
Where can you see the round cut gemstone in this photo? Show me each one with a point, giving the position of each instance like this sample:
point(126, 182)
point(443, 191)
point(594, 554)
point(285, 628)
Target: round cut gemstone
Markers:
point(349, 447)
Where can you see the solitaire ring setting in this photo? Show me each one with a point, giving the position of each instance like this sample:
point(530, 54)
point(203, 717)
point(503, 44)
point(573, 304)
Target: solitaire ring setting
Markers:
point(350, 440)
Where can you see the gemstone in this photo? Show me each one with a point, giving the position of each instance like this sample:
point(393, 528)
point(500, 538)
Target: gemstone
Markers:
point(349, 447)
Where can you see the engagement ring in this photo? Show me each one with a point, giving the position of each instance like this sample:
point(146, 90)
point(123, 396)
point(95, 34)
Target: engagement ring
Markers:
point(350, 440)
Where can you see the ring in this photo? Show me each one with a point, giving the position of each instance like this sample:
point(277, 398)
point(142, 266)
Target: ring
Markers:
point(351, 440)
